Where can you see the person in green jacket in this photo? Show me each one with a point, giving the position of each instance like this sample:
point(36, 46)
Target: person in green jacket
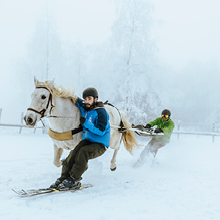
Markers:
point(164, 125)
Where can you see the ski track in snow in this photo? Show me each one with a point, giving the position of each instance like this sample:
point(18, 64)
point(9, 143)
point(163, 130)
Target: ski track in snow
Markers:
point(185, 184)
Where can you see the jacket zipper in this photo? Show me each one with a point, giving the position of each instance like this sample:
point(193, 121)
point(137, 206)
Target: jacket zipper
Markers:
point(86, 128)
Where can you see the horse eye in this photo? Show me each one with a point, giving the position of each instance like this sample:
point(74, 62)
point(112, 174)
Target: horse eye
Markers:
point(43, 97)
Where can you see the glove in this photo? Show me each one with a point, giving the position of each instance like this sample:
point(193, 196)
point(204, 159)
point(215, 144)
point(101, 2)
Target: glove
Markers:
point(82, 120)
point(158, 130)
point(148, 126)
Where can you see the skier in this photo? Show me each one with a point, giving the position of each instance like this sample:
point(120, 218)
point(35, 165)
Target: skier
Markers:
point(96, 139)
point(164, 125)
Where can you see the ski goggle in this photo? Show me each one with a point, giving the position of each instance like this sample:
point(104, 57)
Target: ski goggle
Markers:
point(165, 116)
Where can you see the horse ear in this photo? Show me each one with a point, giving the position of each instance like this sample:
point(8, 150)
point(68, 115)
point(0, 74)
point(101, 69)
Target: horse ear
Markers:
point(51, 83)
point(36, 81)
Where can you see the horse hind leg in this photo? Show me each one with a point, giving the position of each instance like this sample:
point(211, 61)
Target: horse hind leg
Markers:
point(115, 144)
point(57, 155)
point(113, 161)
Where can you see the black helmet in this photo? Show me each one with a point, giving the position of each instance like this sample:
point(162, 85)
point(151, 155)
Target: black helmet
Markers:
point(90, 92)
point(166, 112)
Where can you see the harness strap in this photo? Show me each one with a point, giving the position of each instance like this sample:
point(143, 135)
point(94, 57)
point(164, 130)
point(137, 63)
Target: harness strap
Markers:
point(64, 136)
point(77, 130)
point(121, 123)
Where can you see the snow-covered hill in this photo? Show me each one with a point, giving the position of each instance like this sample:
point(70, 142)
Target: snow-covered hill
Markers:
point(184, 185)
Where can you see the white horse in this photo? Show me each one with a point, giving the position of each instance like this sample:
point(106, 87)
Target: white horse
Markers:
point(58, 104)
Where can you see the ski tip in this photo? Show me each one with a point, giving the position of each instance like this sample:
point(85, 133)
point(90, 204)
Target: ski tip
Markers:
point(14, 190)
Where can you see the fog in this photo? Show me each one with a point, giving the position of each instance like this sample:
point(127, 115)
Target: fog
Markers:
point(188, 31)
point(142, 56)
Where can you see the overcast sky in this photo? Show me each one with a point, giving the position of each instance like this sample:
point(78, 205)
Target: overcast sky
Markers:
point(86, 21)
point(189, 29)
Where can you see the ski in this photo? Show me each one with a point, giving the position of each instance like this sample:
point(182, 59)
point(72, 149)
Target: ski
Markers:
point(35, 192)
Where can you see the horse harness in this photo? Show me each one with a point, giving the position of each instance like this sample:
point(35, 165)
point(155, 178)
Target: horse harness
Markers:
point(52, 134)
point(121, 128)
point(66, 135)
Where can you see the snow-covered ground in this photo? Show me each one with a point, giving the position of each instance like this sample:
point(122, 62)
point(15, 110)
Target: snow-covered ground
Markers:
point(185, 185)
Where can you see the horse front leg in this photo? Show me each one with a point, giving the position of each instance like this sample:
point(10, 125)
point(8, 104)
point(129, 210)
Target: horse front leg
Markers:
point(57, 155)
point(113, 161)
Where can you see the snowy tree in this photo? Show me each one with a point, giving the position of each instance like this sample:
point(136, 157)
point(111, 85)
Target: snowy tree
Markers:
point(45, 57)
point(76, 55)
point(122, 69)
point(134, 59)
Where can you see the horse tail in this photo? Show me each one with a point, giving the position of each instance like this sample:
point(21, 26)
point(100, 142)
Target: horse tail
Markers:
point(128, 136)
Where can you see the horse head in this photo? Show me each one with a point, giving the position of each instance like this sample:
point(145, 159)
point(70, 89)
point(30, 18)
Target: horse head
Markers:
point(41, 102)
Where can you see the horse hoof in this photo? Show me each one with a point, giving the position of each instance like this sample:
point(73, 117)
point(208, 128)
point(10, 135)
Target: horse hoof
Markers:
point(113, 169)
point(58, 164)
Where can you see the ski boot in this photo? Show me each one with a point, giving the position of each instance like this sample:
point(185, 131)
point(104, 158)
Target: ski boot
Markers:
point(69, 182)
point(57, 182)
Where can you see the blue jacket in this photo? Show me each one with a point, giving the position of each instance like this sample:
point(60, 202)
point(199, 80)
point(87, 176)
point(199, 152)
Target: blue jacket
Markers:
point(96, 127)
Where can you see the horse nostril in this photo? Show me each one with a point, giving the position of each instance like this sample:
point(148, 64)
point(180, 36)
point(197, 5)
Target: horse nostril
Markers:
point(29, 120)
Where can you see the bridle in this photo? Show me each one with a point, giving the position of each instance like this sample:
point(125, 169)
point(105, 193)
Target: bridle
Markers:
point(42, 112)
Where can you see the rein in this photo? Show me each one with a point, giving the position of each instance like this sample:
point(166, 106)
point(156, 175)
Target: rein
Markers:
point(42, 112)
point(56, 116)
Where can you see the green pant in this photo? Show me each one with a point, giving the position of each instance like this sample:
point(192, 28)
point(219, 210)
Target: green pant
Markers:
point(76, 162)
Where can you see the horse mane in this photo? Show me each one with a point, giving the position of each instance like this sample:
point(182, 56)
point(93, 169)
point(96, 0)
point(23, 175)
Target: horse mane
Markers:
point(60, 91)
